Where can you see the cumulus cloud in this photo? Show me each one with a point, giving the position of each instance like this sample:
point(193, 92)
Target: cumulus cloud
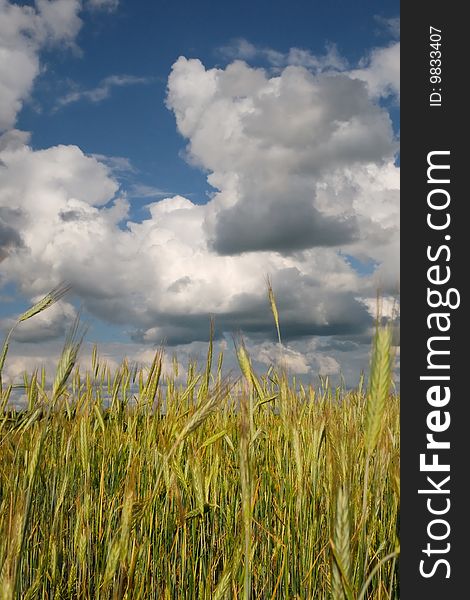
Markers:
point(24, 30)
point(381, 71)
point(294, 157)
point(160, 275)
point(302, 167)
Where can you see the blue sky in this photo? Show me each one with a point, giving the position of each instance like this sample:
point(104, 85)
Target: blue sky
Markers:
point(112, 120)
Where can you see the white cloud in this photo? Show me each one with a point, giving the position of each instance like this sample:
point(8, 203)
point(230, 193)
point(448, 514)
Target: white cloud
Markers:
point(58, 21)
point(17, 365)
point(271, 354)
point(24, 30)
point(325, 365)
point(299, 161)
point(144, 357)
point(47, 192)
point(381, 71)
point(387, 307)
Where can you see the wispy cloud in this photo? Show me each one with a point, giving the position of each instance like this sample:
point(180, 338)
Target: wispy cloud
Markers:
point(108, 5)
point(103, 90)
point(391, 26)
point(119, 165)
point(122, 169)
point(240, 48)
point(140, 190)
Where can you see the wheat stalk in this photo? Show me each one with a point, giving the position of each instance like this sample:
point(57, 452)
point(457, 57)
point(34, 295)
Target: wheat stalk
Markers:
point(379, 385)
point(341, 567)
point(272, 303)
point(67, 359)
point(377, 396)
point(246, 494)
point(49, 299)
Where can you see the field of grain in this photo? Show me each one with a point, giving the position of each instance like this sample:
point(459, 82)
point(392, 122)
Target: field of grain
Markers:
point(133, 484)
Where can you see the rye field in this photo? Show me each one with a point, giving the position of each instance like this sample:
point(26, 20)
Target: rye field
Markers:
point(135, 484)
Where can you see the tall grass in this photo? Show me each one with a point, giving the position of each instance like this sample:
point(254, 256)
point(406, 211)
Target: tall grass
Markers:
point(255, 488)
